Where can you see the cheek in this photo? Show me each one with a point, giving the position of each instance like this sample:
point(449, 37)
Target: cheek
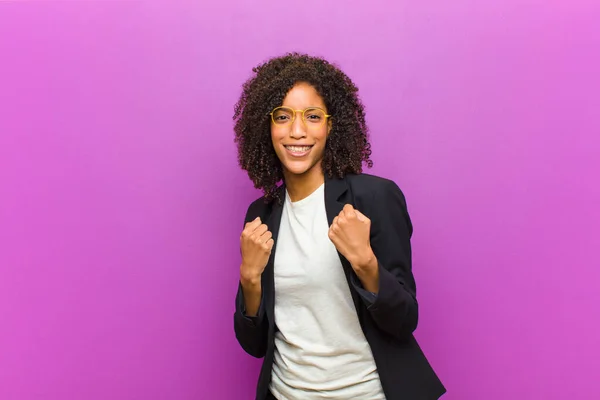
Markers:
point(274, 139)
point(276, 135)
point(321, 137)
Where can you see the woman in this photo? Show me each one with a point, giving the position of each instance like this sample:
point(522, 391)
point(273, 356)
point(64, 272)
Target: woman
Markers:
point(326, 292)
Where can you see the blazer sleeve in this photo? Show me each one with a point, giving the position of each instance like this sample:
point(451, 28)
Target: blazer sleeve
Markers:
point(394, 308)
point(250, 332)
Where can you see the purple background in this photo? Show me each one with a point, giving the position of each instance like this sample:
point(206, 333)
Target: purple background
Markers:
point(118, 275)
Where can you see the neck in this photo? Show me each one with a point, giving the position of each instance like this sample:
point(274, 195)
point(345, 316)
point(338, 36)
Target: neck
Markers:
point(301, 186)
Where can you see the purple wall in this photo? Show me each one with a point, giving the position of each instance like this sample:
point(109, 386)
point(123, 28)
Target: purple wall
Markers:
point(117, 276)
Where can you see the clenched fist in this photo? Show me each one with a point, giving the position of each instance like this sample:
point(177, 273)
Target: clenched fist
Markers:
point(350, 233)
point(256, 243)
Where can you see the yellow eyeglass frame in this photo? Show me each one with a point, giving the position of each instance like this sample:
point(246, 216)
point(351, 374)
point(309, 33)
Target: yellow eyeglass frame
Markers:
point(326, 116)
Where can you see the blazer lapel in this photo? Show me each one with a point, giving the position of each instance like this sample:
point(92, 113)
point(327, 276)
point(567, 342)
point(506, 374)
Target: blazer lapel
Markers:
point(273, 220)
point(335, 194)
point(334, 189)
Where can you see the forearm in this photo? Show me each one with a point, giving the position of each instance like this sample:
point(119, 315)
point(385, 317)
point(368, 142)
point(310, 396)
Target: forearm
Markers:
point(367, 270)
point(250, 328)
point(394, 308)
point(252, 290)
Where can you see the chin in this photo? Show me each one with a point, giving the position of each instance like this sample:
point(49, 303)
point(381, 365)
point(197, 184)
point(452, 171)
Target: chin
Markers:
point(297, 169)
point(301, 168)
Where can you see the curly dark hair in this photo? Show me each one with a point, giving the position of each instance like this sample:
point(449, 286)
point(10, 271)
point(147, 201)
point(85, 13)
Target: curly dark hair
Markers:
point(347, 146)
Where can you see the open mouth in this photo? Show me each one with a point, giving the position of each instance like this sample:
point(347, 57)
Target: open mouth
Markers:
point(298, 151)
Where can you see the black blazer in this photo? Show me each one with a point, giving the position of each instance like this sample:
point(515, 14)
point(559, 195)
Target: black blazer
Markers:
point(388, 320)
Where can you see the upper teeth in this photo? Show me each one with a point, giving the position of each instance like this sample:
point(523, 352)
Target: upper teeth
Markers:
point(298, 148)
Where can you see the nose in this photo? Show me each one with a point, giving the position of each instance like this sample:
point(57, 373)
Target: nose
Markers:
point(298, 128)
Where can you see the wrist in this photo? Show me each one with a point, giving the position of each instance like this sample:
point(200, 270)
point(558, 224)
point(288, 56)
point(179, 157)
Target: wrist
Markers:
point(367, 271)
point(366, 263)
point(249, 279)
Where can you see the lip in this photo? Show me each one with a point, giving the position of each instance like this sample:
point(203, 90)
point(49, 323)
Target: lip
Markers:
point(297, 154)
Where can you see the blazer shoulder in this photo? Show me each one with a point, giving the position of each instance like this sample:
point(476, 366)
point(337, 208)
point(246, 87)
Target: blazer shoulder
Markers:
point(372, 185)
point(377, 194)
point(258, 208)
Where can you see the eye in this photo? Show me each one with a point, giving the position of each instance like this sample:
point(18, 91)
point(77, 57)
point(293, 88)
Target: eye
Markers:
point(314, 115)
point(282, 116)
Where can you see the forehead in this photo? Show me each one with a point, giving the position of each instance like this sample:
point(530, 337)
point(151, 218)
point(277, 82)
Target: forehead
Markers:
point(303, 95)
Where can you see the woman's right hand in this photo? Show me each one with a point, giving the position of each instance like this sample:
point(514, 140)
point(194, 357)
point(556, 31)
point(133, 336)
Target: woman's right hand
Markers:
point(256, 243)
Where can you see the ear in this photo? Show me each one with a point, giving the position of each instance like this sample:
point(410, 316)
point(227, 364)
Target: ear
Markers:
point(329, 126)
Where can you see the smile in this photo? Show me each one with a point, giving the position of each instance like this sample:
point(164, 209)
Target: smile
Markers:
point(298, 151)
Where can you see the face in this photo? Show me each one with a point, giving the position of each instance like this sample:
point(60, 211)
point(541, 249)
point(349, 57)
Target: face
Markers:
point(300, 144)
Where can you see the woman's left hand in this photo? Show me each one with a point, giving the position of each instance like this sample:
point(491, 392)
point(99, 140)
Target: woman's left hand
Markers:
point(350, 233)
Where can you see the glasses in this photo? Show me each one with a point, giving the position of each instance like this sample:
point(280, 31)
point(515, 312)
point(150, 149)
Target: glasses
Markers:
point(313, 117)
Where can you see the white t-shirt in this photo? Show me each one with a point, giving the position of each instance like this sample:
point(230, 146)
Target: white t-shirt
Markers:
point(321, 351)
